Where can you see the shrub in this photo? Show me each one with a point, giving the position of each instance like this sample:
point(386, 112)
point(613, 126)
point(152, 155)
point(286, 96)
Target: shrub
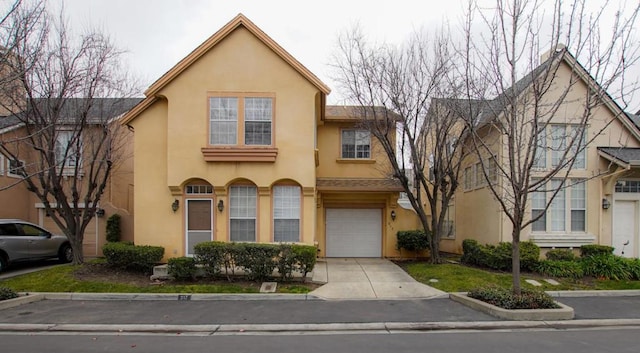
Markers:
point(113, 228)
point(499, 257)
point(182, 268)
point(412, 240)
point(7, 293)
point(593, 249)
point(504, 298)
point(559, 268)
point(139, 258)
point(633, 267)
point(212, 255)
point(560, 255)
point(306, 258)
point(471, 252)
point(258, 260)
point(286, 261)
point(606, 266)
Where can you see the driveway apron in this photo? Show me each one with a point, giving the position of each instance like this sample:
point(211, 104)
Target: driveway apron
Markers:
point(367, 278)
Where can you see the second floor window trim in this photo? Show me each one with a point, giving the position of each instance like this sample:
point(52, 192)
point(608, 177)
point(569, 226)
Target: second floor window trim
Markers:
point(241, 119)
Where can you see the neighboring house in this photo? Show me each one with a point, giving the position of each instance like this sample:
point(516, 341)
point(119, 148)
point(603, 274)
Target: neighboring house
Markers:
point(18, 202)
point(236, 143)
point(601, 203)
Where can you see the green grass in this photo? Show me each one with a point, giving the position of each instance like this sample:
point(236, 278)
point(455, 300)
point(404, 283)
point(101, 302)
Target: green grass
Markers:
point(461, 278)
point(61, 279)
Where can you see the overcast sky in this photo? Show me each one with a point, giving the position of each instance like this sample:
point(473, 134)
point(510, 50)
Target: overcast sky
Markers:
point(158, 33)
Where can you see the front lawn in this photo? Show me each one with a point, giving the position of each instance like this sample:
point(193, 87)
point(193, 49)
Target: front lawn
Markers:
point(462, 278)
point(95, 277)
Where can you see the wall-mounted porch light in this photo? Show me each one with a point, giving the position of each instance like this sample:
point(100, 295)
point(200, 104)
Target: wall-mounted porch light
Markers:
point(220, 205)
point(175, 205)
point(605, 204)
point(100, 212)
point(393, 215)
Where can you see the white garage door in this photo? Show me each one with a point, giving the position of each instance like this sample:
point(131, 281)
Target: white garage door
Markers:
point(625, 228)
point(354, 232)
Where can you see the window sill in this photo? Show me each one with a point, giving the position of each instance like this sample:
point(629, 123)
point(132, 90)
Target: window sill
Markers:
point(240, 154)
point(355, 161)
point(562, 240)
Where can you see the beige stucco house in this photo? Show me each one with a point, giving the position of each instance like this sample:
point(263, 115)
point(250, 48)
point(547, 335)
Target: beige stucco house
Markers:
point(19, 203)
point(601, 203)
point(236, 143)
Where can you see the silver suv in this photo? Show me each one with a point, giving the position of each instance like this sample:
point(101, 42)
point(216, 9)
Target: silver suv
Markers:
point(24, 241)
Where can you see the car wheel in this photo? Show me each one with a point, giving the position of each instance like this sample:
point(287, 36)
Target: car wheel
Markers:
point(3, 263)
point(65, 254)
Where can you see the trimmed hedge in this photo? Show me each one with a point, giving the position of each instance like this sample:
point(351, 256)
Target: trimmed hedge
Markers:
point(126, 256)
point(560, 255)
point(182, 268)
point(412, 240)
point(560, 268)
point(498, 257)
point(594, 249)
point(257, 260)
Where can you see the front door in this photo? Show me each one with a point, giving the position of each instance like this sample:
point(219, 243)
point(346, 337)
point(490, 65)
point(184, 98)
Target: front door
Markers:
point(625, 228)
point(199, 217)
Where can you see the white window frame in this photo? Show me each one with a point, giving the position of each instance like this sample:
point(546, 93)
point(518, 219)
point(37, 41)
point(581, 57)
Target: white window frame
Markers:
point(228, 118)
point(563, 204)
point(449, 226)
point(257, 115)
point(356, 139)
point(287, 205)
point(69, 163)
point(552, 145)
point(9, 168)
point(247, 211)
point(2, 164)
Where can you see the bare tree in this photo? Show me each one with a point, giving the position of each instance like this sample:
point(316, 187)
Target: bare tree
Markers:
point(510, 116)
point(55, 89)
point(396, 88)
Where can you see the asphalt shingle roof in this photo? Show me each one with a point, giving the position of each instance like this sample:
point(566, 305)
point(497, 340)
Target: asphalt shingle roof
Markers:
point(358, 184)
point(100, 111)
point(624, 154)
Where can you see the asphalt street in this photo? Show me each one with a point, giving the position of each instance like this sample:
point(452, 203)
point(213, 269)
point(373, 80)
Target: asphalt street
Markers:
point(619, 340)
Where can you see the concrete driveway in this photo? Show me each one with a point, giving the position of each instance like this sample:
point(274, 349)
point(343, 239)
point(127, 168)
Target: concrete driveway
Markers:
point(367, 278)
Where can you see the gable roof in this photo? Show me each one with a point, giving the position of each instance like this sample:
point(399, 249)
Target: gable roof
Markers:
point(486, 111)
point(239, 21)
point(626, 157)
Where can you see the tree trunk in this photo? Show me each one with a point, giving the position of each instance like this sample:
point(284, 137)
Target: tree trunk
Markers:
point(515, 261)
point(76, 244)
point(435, 250)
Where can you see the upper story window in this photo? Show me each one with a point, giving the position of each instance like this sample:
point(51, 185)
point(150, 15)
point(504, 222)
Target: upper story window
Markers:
point(356, 144)
point(552, 143)
point(67, 149)
point(241, 120)
point(15, 168)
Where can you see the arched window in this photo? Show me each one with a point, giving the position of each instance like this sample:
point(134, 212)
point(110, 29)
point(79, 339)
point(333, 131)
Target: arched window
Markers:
point(286, 213)
point(242, 212)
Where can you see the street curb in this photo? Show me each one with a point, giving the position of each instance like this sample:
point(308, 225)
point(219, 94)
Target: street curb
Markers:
point(165, 296)
point(595, 293)
point(379, 327)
